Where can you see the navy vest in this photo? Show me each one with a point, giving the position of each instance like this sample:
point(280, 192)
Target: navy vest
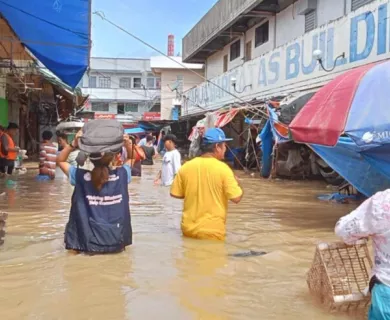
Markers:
point(99, 221)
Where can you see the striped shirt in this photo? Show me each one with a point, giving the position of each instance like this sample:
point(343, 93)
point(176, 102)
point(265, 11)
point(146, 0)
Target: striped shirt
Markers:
point(47, 159)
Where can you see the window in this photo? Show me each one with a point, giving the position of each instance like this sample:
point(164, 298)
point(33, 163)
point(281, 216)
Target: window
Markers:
point(248, 51)
point(151, 83)
point(100, 106)
point(125, 83)
point(137, 82)
point(131, 107)
point(225, 63)
point(158, 83)
point(104, 82)
point(310, 20)
point(92, 81)
point(262, 34)
point(235, 50)
point(356, 4)
point(121, 108)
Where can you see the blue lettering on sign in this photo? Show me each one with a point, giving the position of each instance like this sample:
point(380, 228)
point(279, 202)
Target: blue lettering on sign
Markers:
point(382, 29)
point(274, 67)
point(369, 20)
point(293, 53)
point(365, 34)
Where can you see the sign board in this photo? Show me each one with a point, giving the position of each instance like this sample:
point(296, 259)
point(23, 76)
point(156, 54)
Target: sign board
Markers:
point(105, 116)
point(363, 36)
point(150, 116)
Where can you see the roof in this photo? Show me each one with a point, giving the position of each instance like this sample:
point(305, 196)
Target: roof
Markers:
point(163, 62)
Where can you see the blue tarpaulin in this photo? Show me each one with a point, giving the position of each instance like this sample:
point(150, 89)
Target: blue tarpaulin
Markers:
point(134, 131)
point(367, 170)
point(266, 147)
point(57, 32)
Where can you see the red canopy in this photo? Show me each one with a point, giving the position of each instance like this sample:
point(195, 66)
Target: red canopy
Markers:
point(322, 120)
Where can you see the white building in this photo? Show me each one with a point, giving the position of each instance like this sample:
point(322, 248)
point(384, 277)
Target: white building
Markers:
point(265, 47)
point(119, 88)
point(176, 78)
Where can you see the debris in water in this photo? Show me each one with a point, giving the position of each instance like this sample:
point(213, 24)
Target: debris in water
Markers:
point(250, 253)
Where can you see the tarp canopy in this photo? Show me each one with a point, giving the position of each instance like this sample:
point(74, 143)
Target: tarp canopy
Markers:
point(367, 170)
point(134, 131)
point(56, 32)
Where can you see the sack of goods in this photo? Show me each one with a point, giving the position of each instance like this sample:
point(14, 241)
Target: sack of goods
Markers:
point(101, 136)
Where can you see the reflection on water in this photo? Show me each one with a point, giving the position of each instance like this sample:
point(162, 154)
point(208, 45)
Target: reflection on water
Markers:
point(164, 276)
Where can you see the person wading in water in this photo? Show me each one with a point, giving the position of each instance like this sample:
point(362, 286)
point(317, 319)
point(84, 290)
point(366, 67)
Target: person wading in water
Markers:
point(207, 184)
point(99, 220)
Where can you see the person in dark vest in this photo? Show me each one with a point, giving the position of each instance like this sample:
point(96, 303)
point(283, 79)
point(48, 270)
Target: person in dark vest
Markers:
point(99, 220)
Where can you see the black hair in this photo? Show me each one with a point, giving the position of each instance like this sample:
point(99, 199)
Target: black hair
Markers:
point(170, 137)
point(47, 135)
point(207, 147)
point(62, 135)
point(149, 138)
point(12, 125)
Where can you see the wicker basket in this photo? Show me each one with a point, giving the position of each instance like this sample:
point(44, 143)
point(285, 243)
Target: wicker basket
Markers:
point(340, 275)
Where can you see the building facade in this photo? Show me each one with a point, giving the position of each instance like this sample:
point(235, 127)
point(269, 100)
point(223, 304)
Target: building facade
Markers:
point(257, 49)
point(176, 78)
point(122, 89)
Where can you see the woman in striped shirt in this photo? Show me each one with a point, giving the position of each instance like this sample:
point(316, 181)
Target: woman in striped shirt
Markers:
point(47, 156)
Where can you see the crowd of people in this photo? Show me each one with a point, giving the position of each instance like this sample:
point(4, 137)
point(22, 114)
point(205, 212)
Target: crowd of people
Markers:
point(100, 219)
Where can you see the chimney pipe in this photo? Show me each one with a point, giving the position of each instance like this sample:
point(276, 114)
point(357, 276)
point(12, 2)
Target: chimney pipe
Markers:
point(171, 45)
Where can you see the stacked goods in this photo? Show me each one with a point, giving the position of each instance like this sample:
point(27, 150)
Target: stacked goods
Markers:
point(340, 275)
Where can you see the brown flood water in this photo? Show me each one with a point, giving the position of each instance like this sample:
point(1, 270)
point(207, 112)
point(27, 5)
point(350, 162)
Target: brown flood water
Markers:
point(164, 276)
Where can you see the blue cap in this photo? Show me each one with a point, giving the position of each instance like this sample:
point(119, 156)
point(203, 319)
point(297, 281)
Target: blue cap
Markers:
point(215, 135)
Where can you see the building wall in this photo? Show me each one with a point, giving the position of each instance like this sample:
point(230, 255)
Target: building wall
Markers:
point(283, 28)
point(169, 78)
point(115, 70)
point(362, 35)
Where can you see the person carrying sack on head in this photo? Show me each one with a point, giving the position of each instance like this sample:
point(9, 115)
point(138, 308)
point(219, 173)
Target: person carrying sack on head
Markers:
point(99, 220)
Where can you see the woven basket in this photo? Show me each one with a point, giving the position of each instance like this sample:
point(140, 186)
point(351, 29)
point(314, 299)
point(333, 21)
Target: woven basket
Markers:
point(340, 275)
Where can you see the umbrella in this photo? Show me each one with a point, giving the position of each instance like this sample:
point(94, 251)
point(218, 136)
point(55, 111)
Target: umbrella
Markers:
point(355, 104)
point(134, 131)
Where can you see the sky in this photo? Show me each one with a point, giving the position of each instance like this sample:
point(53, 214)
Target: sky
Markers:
point(151, 20)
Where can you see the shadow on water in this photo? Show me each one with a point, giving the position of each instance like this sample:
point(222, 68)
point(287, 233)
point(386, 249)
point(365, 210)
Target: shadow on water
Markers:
point(164, 275)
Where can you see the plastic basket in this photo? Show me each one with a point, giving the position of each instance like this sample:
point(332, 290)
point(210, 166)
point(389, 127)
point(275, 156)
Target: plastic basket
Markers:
point(340, 275)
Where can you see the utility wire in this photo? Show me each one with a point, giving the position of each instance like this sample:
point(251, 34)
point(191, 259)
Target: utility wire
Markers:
point(102, 16)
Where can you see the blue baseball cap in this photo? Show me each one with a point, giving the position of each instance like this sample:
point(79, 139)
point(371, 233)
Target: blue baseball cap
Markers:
point(215, 135)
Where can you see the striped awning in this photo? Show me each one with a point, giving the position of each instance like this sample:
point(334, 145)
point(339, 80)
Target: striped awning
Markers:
point(226, 117)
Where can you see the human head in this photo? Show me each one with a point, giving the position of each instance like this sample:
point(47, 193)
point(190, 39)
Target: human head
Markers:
point(12, 129)
point(149, 139)
point(62, 139)
point(214, 142)
point(170, 142)
point(100, 172)
point(47, 135)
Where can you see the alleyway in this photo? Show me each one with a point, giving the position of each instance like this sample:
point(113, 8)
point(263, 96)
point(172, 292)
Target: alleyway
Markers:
point(163, 276)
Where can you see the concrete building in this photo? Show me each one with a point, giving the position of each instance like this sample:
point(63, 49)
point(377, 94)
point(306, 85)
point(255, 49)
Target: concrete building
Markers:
point(256, 49)
point(175, 79)
point(124, 89)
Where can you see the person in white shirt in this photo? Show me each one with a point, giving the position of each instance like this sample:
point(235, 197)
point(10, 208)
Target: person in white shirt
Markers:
point(372, 219)
point(171, 162)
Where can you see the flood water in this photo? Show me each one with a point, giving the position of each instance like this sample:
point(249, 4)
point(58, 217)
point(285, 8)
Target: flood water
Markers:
point(163, 275)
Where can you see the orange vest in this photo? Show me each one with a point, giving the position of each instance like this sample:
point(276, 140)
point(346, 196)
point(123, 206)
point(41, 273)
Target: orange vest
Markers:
point(12, 155)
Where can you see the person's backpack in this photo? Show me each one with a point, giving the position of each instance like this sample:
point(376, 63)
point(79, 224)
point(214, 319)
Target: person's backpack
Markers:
point(101, 136)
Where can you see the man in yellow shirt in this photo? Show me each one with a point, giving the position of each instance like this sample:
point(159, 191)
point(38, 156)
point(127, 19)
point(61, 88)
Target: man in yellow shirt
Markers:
point(207, 184)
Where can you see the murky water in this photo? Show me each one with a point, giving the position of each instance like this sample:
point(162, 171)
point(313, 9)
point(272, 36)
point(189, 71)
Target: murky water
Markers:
point(163, 276)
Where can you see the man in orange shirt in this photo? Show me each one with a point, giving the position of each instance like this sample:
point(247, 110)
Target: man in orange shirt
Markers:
point(8, 150)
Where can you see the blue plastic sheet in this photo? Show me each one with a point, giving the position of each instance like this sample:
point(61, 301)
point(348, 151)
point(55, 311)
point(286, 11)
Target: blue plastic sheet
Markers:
point(134, 131)
point(363, 169)
point(266, 147)
point(57, 32)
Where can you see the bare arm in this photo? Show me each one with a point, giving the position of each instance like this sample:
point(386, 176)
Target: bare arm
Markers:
point(62, 158)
